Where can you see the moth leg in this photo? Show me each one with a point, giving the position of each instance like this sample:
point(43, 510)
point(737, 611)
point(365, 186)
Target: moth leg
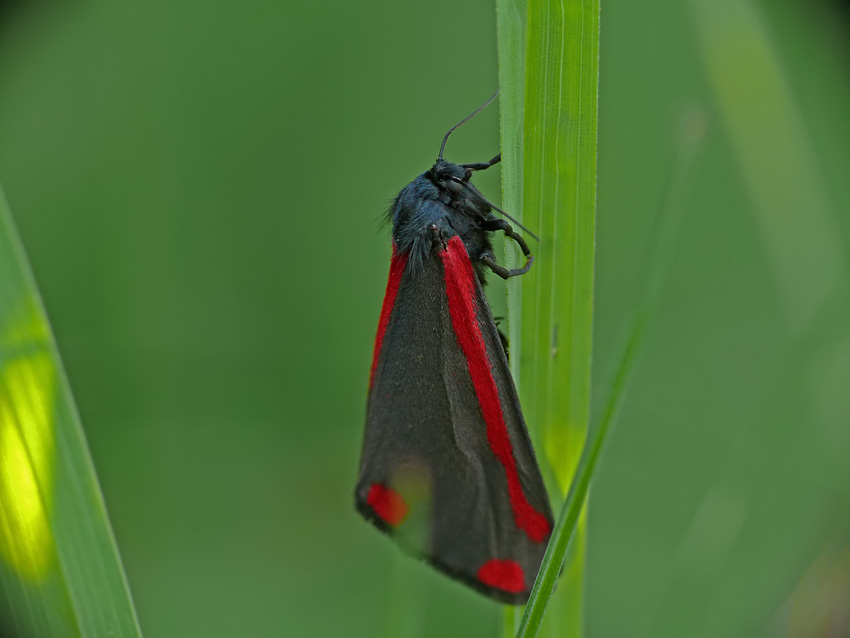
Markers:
point(506, 344)
point(495, 223)
point(504, 273)
point(480, 166)
point(503, 337)
point(437, 236)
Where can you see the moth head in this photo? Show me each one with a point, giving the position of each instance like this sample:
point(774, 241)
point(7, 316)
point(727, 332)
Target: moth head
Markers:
point(449, 177)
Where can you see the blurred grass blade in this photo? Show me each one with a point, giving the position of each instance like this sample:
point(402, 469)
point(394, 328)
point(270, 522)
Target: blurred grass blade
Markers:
point(59, 566)
point(549, 61)
point(784, 466)
point(790, 198)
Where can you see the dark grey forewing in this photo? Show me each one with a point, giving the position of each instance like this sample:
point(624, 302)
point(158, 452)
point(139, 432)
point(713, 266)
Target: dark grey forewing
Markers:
point(426, 439)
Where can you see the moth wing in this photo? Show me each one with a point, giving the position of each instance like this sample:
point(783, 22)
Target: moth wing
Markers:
point(452, 480)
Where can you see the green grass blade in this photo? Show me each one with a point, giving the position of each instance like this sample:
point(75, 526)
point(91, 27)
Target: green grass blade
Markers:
point(549, 54)
point(60, 573)
point(559, 202)
point(509, 621)
point(511, 31)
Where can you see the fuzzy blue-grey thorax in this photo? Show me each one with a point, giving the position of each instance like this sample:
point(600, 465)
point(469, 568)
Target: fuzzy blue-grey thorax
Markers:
point(440, 197)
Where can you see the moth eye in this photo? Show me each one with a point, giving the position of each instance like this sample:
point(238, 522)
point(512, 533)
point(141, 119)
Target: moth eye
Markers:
point(454, 185)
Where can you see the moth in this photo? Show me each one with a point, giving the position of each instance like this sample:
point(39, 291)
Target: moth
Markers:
point(447, 467)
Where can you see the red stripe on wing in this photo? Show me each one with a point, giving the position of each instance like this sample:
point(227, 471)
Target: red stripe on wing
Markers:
point(503, 574)
point(460, 290)
point(399, 261)
point(388, 504)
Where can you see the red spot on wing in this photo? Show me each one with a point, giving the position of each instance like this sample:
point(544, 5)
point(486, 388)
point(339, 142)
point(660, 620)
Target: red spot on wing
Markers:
point(460, 290)
point(506, 575)
point(399, 261)
point(387, 504)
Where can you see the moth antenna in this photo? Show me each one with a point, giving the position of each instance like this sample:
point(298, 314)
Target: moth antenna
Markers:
point(477, 193)
point(475, 112)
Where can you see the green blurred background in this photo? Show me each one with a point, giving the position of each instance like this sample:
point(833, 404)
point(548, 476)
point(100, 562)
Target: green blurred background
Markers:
point(200, 188)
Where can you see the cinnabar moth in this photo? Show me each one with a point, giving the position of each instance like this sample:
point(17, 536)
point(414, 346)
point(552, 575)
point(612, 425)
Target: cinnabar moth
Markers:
point(447, 467)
